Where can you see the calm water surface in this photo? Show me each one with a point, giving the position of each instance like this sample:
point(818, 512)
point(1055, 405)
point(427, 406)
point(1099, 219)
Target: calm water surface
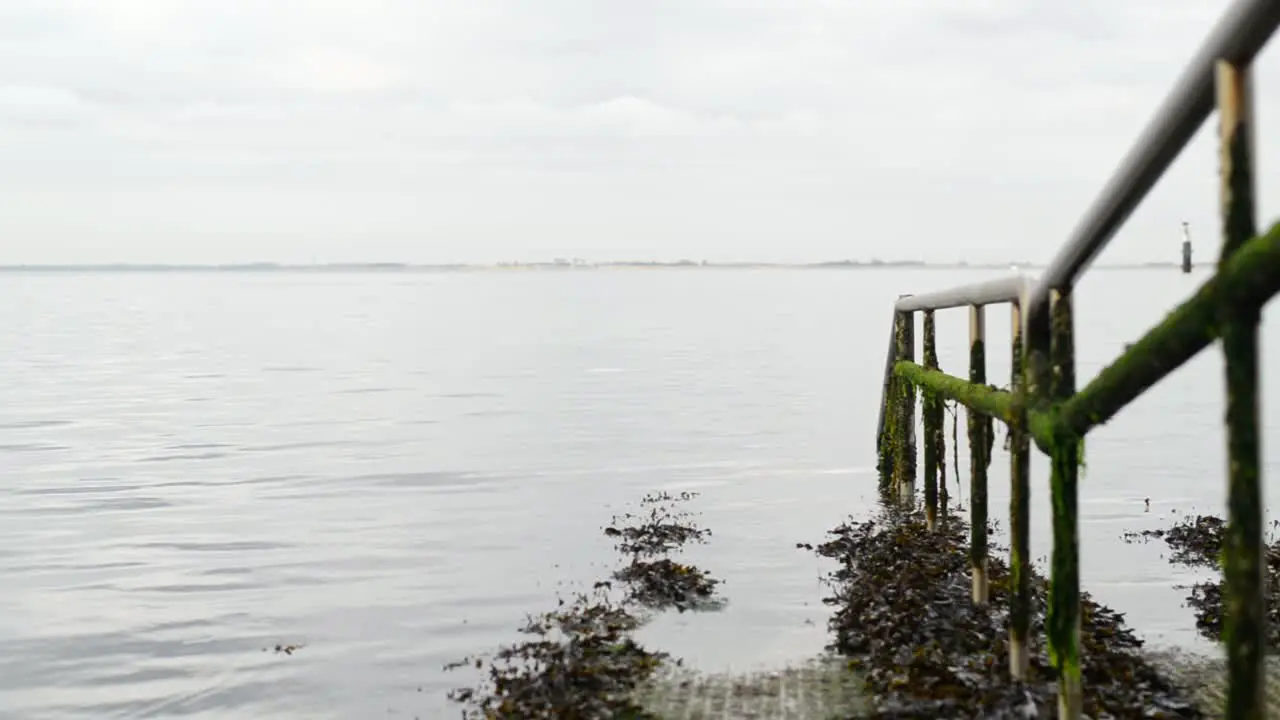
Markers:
point(392, 469)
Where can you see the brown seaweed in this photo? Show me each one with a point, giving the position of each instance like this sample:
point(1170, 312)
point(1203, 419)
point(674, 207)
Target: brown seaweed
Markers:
point(904, 618)
point(1197, 541)
point(580, 661)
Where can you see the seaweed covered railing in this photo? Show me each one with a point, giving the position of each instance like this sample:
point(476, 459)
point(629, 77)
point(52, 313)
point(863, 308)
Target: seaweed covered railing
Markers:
point(1043, 404)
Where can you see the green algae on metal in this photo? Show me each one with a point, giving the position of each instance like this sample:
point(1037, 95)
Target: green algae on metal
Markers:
point(984, 398)
point(1248, 276)
point(1244, 608)
point(884, 444)
point(903, 440)
point(990, 401)
point(1020, 571)
point(980, 445)
point(885, 449)
point(955, 445)
point(934, 444)
point(1063, 619)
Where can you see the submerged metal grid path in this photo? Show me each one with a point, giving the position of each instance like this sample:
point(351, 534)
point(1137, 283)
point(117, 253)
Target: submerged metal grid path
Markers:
point(1205, 679)
point(818, 690)
point(825, 690)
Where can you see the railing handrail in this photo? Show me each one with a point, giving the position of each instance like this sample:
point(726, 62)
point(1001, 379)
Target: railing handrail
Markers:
point(1043, 400)
point(1008, 289)
point(1239, 35)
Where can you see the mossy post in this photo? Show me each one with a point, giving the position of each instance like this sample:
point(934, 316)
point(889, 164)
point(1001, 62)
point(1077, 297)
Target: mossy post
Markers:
point(933, 436)
point(884, 443)
point(944, 497)
point(1019, 512)
point(904, 426)
point(1064, 584)
point(888, 406)
point(1244, 606)
point(978, 450)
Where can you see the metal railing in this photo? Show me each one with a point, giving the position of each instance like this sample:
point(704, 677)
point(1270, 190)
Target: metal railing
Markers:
point(1043, 404)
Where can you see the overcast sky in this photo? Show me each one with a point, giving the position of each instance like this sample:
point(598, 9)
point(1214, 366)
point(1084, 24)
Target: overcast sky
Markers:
point(486, 130)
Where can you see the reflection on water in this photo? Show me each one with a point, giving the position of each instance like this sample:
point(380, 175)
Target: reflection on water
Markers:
point(391, 470)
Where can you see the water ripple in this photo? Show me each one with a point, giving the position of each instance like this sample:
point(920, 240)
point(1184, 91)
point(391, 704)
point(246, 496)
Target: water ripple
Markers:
point(32, 447)
point(182, 457)
point(33, 424)
point(215, 546)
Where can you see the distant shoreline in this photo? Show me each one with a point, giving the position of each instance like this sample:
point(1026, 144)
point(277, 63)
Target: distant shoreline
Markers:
point(556, 267)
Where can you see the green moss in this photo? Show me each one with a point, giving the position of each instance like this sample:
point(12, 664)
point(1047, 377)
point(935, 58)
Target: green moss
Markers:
point(1065, 581)
point(1248, 277)
point(934, 447)
point(1063, 618)
point(955, 444)
point(885, 445)
point(902, 440)
point(983, 398)
point(1020, 571)
point(980, 444)
point(1045, 407)
point(1244, 606)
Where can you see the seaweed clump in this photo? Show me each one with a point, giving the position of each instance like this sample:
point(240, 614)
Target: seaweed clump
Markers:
point(651, 577)
point(579, 663)
point(662, 530)
point(905, 620)
point(1197, 541)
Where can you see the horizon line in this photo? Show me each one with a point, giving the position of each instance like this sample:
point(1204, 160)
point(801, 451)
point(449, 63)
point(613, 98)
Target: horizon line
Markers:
point(557, 264)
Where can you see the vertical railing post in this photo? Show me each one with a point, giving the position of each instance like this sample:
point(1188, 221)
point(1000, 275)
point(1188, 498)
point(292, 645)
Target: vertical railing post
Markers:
point(1064, 585)
point(904, 460)
point(1019, 504)
point(933, 437)
point(888, 406)
point(1245, 605)
point(978, 449)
